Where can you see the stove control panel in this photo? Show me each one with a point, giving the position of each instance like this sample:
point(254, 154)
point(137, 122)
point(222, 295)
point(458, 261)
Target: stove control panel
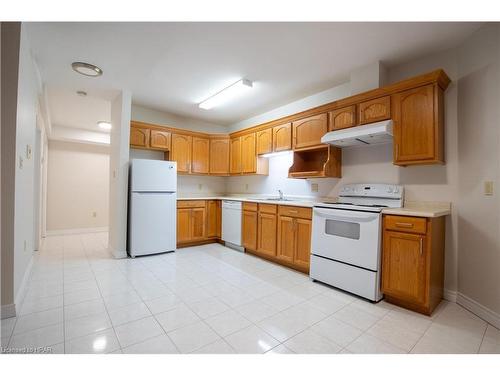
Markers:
point(372, 191)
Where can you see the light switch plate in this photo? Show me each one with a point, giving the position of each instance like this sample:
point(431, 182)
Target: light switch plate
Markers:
point(314, 188)
point(488, 187)
point(29, 152)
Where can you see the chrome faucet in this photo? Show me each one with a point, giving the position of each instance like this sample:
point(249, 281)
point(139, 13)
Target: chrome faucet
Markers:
point(281, 194)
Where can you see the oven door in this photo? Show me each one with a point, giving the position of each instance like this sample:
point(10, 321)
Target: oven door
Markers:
point(351, 237)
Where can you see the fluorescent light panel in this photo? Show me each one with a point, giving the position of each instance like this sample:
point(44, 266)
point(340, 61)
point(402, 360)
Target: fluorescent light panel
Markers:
point(273, 154)
point(227, 94)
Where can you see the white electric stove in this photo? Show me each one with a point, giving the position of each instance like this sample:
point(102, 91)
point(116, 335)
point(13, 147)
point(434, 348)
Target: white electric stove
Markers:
point(346, 238)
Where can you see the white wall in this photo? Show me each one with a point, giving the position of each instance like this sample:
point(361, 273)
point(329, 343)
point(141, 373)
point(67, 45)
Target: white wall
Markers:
point(78, 186)
point(119, 165)
point(153, 116)
point(28, 90)
point(479, 161)
point(67, 134)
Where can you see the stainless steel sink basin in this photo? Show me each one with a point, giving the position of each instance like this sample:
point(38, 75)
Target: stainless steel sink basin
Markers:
point(275, 199)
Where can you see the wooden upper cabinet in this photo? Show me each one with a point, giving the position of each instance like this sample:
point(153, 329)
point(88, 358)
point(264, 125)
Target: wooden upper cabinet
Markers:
point(418, 126)
point(248, 155)
point(342, 118)
point(181, 152)
point(200, 155)
point(139, 137)
point(266, 238)
point(265, 141)
point(235, 155)
point(249, 229)
point(219, 156)
point(404, 266)
point(282, 137)
point(375, 110)
point(308, 131)
point(160, 140)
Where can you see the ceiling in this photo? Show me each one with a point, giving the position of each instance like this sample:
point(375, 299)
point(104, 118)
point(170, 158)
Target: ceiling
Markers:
point(71, 110)
point(173, 66)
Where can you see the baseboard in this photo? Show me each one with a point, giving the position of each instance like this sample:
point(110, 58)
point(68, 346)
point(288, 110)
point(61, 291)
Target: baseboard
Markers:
point(21, 292)
point(475, 307)
point(63, 232)
point(7, 311)
point(117, 254)
point(450, 295)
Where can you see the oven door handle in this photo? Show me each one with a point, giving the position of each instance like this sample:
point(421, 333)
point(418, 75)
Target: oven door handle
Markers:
point(328, 215)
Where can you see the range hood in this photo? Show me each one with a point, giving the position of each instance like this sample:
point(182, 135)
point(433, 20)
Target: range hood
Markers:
point(376, 133)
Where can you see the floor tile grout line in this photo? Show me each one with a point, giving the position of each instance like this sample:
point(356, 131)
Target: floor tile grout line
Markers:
point(482, 338)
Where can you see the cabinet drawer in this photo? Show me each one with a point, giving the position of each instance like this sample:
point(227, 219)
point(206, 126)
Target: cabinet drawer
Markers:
point(294, 211)
point(249, 206)
point(406, 224)
point(268, 208)
point(190, 204)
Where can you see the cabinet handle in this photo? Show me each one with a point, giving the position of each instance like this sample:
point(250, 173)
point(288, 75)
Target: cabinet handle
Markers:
point(421, 246)
point(404, 225)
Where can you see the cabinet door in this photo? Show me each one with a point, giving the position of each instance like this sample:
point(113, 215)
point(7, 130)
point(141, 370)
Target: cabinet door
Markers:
point(342, 118)
point(235, 156)
point(181, 152)
point(308, 132)
point(219, 219)
point(375, 110)
point(198, 223)
point(200, 155)
point(302, 253)
point(139, 137)
point(403, 266)
point(249, 230)
point(160, 140)
point(415, 127)
point(248, 155)
point(212, 218)
point(266, 239)
point(183, 224)
point(264, 141)
point(219, 156)
point(282, 137)
point(286, 238)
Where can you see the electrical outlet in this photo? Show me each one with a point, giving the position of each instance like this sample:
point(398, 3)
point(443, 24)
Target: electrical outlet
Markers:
point(200, 186)
point(488, 187)
point(28, 152)
point(314, 188)
point(94, 214)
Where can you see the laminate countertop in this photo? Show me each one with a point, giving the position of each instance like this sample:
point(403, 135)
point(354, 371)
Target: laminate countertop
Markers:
point(411, 208)
point(422, 209)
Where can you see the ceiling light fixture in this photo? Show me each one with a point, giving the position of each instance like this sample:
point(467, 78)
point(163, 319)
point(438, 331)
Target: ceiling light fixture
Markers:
point(86, 69)
point(104, 125)
point(227, 94)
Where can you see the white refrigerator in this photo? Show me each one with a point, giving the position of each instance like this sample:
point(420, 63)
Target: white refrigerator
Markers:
point(152, 221)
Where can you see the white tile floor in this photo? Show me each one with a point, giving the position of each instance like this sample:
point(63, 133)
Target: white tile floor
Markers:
point(210, 299)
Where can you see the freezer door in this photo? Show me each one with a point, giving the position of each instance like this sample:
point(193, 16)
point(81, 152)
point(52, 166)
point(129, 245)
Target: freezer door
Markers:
point(153, 175)
point(152, 223)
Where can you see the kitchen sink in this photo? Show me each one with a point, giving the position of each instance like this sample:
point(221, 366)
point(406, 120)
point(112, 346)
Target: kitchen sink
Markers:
point(275, 199)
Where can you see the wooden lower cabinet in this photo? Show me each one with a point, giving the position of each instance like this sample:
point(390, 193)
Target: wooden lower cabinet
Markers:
point(249, 229)
point(413, 262)
point(198, 221)
point(213, 219)
point(266, 238)
point(283, 234)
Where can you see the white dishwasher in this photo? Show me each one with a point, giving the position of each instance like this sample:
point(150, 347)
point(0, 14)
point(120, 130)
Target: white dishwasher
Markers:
point(231, 224)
